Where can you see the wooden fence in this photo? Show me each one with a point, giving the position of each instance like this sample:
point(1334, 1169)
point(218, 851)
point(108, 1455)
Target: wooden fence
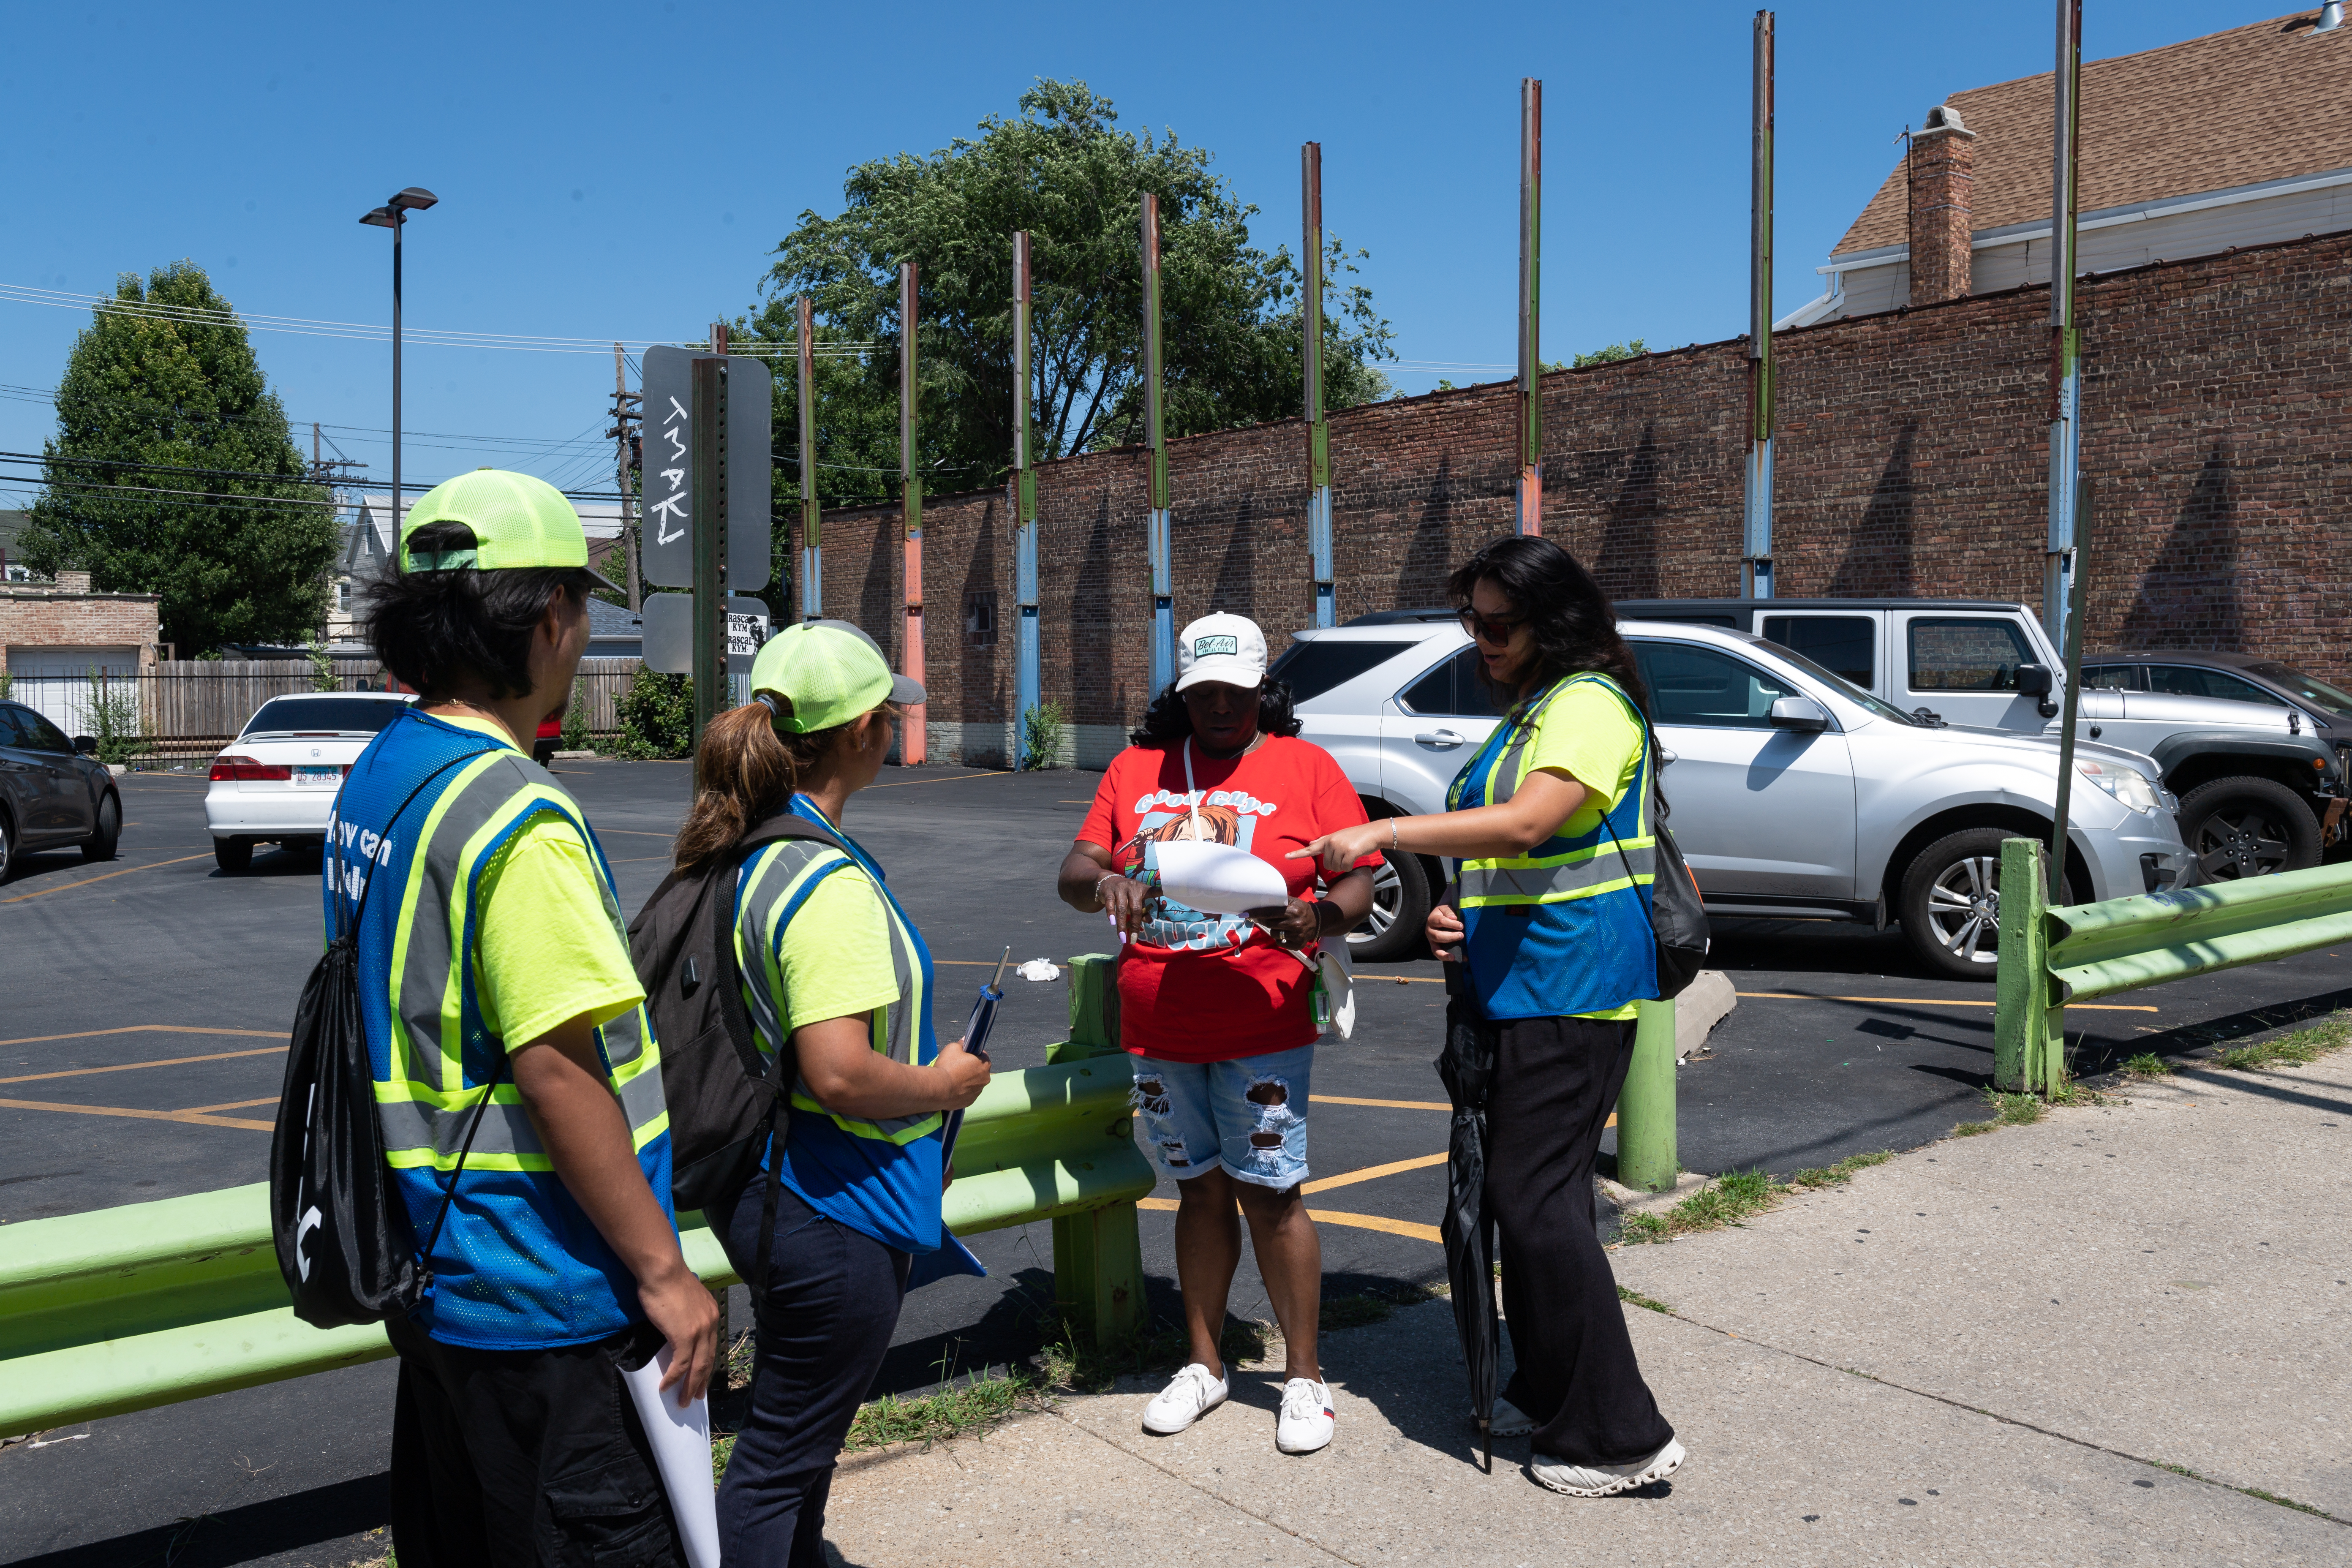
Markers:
point(185, 708)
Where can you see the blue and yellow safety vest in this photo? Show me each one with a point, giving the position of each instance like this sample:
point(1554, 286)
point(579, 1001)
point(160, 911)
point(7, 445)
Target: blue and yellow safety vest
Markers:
point(1565, 928)
point(518, 1264)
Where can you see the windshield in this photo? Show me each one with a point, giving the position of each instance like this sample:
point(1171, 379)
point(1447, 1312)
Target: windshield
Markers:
point(1842, 686)
point(324, 716)
point(2319, 693)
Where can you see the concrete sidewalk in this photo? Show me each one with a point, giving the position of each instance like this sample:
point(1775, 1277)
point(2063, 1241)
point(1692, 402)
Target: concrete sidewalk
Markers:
point(2005, 1349)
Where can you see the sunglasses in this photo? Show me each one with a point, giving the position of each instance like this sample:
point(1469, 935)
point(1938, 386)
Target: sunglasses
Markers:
point(1495, 629)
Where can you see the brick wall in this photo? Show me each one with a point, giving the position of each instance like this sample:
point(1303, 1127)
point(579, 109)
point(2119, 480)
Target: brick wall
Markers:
point(34, 617)
point(1912, 458)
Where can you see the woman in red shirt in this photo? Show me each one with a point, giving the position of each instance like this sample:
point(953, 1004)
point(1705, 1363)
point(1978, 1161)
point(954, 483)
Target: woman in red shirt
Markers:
point(1218, 1008)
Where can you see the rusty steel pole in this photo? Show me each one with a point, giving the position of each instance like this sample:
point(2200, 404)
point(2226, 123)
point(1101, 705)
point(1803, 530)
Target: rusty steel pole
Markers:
point(812, 549)
point(1530, 485)
point(1155, 437)
point(1319, 430)
point(1756, 553)
point(1026, 690)
point(2065, 339)
point(912, 734)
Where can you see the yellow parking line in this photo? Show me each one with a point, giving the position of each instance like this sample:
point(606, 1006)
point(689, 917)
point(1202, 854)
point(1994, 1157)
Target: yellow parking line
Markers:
point(143, 1030)
point(1382, 1104)
point(86, 882)
point(191, 1117)
point(959, 778)
point(167, 1062)
point(1333, 1216)
point(1372, 1172)
point(1929, 1001)
point(230, 1105)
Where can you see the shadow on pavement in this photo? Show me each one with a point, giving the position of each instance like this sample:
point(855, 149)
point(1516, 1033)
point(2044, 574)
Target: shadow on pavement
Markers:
point(253, 1534)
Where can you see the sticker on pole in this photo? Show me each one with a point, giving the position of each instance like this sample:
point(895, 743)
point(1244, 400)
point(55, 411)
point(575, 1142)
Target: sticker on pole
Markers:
point(670, 632)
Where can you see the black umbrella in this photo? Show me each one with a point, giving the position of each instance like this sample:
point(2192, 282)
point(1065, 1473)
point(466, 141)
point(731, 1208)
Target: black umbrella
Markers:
point(1467, 1066)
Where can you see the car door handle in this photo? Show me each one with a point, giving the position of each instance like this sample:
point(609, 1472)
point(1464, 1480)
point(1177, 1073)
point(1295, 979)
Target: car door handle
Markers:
point(1666, 759)
point(1443, 739)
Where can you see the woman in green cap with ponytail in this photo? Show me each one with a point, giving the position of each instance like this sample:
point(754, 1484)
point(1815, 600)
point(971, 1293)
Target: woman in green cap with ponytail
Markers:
point(835, 971)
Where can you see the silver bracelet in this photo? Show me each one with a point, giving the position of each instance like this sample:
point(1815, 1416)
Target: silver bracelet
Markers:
point(1394, 842)
point(1106, 876)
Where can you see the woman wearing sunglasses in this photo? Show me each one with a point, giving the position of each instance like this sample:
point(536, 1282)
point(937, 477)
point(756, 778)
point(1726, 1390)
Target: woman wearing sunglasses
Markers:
point(1551, 822)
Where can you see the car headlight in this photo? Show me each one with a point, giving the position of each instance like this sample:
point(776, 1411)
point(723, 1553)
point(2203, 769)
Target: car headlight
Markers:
point(2128, 785)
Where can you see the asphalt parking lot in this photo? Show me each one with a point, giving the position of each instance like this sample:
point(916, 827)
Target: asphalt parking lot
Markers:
point(144, 1004)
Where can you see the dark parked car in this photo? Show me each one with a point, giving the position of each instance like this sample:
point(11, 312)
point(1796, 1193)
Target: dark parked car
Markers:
point(52, 793)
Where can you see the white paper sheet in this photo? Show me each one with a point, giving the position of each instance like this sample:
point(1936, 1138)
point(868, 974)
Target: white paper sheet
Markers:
point(681, 1445)
point(1217, 878)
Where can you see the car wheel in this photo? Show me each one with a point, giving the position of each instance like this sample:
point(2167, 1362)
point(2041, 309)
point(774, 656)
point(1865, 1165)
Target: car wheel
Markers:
point(233, 855)
point(2248, 827)
point(7, 847)
point(1950, 903)
point(1393, 929)
point(99, 845)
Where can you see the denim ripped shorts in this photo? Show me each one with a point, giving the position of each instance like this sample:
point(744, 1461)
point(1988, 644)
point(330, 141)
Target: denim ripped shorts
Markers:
point(1248, 1115)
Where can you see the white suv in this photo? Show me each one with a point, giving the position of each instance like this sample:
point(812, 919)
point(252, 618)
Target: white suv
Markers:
point(1793, 793)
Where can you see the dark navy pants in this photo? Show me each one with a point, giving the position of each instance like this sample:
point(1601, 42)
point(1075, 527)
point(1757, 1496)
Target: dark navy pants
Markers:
point(823, 1325)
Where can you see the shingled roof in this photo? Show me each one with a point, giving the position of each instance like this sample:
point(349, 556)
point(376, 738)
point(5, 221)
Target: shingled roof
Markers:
point(2261, 102)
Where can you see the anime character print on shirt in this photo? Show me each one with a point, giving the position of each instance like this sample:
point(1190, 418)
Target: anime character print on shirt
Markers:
point(1225, 816)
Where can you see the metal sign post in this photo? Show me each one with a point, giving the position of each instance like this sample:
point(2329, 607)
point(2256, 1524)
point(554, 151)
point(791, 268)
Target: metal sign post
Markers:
point(2066, 340)
point(1531, 485)
point(811, 551)
point(1319, 430)
point(709, 538)
point(1756, 556)
point(1025, 692)
point(2074, 646)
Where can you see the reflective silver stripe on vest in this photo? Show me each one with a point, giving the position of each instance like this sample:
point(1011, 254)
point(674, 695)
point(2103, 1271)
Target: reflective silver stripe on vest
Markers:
point(779, 873)
point(427, 1105)
point(1593, 865)
point(1503, 781)
point(1597, 868)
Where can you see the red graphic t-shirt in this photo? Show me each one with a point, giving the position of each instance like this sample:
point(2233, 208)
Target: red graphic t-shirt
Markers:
point(1195, 987)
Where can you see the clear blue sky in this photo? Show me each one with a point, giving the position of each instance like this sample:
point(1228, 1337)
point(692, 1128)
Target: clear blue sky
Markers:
point(620, 170)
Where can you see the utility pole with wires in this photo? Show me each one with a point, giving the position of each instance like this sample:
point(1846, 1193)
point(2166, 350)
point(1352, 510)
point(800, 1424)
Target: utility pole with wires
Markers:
point(325, 470)
point(2065, 338)
point(1530, 485)
point(812, 552)
point(911, 733)
point(1319, 430)
point(1756, 556)
point(626, 422)
point(1155, 440)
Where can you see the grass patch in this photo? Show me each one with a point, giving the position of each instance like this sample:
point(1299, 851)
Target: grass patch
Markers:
point(2017, 1110)
point(1647, 1303)
point(1735, 1197)
point(2298, 1049)
point(2284, 1501)
point(1090, 1369)
point(2147, 1064)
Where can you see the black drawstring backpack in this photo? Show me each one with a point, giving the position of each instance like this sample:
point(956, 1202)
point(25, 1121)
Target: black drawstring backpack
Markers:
point(344, 1243)
point(1677, 916)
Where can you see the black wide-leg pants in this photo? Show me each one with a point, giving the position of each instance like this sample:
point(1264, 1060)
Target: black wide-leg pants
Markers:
point(1555, 1082)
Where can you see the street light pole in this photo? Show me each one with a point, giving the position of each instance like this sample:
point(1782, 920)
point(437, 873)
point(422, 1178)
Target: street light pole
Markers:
point(416, 198)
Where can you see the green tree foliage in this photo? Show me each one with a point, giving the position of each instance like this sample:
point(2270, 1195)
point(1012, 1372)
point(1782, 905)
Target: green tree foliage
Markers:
point(1062, 170)
point(162, 382)
point(1610, 354)
point(656, 717)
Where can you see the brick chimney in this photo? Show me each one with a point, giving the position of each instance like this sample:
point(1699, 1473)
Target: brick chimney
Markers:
point(1943, 173)
point(73, 581)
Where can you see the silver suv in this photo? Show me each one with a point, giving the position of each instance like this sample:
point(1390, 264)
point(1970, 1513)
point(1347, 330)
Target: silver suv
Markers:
point(1795, 793)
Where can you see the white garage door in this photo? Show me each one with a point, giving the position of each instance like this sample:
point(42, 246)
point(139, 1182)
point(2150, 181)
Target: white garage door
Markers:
point(57, 681)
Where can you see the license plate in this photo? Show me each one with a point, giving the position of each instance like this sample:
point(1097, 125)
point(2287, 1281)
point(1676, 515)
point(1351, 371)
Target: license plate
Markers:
point(317, 776)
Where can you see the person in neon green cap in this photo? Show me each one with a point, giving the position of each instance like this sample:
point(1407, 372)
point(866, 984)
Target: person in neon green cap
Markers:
point(505, 1020)
point(835, 971)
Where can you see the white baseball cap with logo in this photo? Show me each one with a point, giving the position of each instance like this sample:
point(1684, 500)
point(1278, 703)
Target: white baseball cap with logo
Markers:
point(1229, 650)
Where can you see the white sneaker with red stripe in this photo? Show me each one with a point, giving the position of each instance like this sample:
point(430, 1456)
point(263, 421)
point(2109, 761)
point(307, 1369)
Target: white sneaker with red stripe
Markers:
point(1306, 1422)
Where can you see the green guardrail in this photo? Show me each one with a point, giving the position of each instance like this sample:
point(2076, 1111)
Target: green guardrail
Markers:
point(2080, 952)
point(148, 1304)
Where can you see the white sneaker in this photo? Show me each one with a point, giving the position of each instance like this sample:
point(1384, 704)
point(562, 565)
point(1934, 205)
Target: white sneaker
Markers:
point(1509, 1421)
point(1306, 1422)
point(1190, 1394)
point(1604, 1480)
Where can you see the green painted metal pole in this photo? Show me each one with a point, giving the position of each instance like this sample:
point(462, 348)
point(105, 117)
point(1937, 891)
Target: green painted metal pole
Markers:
point(1647, 1157)
point(2022, 981)
point(2070, 708)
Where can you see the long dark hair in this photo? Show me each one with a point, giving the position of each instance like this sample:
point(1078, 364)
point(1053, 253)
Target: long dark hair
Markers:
point(432, 628)
point(1575, 626)
point(748, 769)
point(1168, 722)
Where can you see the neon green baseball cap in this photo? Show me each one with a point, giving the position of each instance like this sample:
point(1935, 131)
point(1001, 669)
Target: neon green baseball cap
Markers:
point(518, 520)
point(832, 671)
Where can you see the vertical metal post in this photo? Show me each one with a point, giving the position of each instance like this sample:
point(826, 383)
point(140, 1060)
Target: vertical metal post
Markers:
point(812, 549)
point(1025, 692)
point(2023, 1017)
point(1755, 554)
point(913, 734)
point(1530, 485)
point(1648, 1157)
point(1155, 440)
point(396, 510)
point(2066, 340)
point(621, 474)
point(2067, 707)
point(1319, 430)
point(708, 415)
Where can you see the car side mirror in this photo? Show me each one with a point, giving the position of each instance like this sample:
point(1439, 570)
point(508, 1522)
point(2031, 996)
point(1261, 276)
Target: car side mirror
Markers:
point(1799, 713)
point(84, 745)
point(2033, 679)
